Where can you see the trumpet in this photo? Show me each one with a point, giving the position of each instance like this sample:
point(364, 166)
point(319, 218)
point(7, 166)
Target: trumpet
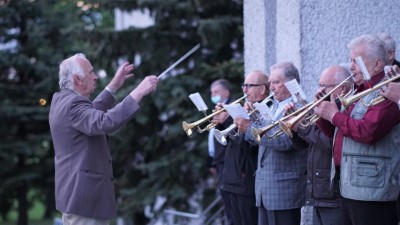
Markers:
point(348, 101)
point(221, 136)
point(259, 132)
point(189, 127)
point(286, 124)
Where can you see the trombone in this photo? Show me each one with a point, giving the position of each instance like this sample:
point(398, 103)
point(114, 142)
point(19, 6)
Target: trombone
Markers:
point(286, 124)
point(348, 101)
point(221, 136)
point(189, 127)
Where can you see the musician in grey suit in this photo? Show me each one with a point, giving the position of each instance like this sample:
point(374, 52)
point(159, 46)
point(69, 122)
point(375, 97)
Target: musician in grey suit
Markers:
point(281, 169)
point(83, 169)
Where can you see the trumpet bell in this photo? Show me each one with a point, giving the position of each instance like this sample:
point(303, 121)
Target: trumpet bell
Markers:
point(220, 136)
point(285, 127)
point(187, 128)
point(256, 133)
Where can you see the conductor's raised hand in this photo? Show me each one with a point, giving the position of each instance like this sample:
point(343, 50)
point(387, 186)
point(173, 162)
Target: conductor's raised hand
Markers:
point(148, 85)
point(123, 73)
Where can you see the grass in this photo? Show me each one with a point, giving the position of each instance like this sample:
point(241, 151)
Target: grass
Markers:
point(35, 214)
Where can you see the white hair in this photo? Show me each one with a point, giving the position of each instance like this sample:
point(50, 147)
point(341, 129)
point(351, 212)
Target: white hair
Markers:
point(68, 68)
point(373, 46)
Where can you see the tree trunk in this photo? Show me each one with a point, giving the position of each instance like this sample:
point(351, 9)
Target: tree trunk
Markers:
point(50, 204)
point(22, 196)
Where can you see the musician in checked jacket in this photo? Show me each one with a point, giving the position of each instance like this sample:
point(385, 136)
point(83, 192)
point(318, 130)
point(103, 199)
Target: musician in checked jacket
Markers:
point(281, 168)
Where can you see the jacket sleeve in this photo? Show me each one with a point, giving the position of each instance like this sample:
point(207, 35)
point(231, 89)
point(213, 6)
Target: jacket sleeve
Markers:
point(314, 136)
point(91, 121)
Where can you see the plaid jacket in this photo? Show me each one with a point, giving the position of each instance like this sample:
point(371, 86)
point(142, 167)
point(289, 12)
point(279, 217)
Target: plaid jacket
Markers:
point(281, 170)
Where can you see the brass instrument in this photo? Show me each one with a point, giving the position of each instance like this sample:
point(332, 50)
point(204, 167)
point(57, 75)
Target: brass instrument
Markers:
point(348, 101)
point(221, 136)
point(313, 118)
point(189, 127)
point(259, 132)
point(286, 124)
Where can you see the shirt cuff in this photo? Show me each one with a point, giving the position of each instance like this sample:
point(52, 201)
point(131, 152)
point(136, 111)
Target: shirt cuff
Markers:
point(398, 103)
point(331, 120)
point(111, 91)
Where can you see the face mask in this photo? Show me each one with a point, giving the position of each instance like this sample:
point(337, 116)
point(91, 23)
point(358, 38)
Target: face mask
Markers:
point(216, 99)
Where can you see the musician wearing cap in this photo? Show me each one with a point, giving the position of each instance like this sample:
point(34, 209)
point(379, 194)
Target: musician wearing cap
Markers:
point(240, 161)
point(281, 168)
point(364, 149)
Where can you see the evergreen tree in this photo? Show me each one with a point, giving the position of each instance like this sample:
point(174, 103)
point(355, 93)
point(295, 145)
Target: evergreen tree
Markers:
point(152, 155)
point(34, 37)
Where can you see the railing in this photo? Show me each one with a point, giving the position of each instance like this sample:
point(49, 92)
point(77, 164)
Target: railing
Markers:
point(213, 214)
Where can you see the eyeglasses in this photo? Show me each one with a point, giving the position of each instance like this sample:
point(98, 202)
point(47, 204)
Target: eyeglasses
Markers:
point(250, 85)
point(327, 85)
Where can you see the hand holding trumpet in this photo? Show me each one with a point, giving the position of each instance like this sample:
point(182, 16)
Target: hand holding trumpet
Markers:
point(392, 90)
point(221, 117)
point(289, 109)
point(327, 109)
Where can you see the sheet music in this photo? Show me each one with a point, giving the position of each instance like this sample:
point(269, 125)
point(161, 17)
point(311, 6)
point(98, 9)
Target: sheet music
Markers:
point(264, 110)
point(364, 70)
point(295, 90)
point(236, 110)
point(198, 101)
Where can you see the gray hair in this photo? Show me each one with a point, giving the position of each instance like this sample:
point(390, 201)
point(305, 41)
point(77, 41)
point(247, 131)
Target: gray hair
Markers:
point(68, 68)
point(224, 84)
point(289, 70)
point(374, 47)
point(390, 44)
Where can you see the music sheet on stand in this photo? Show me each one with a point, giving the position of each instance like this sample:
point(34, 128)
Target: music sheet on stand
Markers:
point(295, 90)
point(264, 110)
point(198, 101)
point(236, 111)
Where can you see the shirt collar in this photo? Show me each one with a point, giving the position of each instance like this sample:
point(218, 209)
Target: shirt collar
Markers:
point(374, 80)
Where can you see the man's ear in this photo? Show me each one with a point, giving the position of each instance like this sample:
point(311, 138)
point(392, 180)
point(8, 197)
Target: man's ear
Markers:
point(391, 54)
point(264, 90)
point(378, 64)
point(77, 79)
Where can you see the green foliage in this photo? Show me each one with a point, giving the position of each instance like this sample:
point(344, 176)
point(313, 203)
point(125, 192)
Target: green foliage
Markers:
point(152, 155)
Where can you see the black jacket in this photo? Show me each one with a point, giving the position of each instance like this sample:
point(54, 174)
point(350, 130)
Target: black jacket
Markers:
point(240, 165)
point(219, 153)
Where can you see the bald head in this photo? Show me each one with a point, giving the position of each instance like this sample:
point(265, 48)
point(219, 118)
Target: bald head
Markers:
point(260, 91)
point(332, 76)
point(336, 73)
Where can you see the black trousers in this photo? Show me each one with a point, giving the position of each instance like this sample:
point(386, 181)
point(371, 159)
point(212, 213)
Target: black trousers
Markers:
point(370, 213)
point(244, 210)
point(279, 217)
